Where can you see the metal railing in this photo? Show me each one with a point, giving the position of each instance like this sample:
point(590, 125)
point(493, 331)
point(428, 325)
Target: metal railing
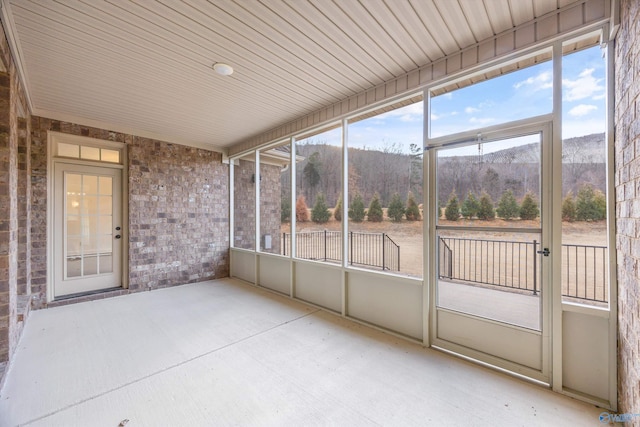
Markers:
point(514, 265)
point(369, 249)
point(322, 245)
point(584, 272)
point(491, 262)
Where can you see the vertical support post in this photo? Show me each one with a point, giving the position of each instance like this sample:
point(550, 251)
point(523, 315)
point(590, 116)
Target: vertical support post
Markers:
point(535, 267)
point(383, 257)
point(351, 247)
point(325, 245)
point(292, 221)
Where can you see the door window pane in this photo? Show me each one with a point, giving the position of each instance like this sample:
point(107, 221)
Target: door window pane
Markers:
point(74, 246)
point(68, 150)
point(74, 184)
point(90, 265)
point(89, 205)
point(73, 225)
point(105, 223)
point(106, 263)
point(74, 266)
point(89, 185)
point(105, 185)
point(112, 156)
point(105, 244)
point(492, 273)
point(89, 153)
point(89, 219)
point(105, 203)
point(73, 203)
point(491, 184)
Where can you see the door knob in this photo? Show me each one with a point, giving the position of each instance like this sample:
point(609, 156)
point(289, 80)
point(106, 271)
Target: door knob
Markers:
point(117, 236)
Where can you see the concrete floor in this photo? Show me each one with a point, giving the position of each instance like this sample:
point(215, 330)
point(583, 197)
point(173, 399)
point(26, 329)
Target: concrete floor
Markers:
point(504, 305)
point(226, 353)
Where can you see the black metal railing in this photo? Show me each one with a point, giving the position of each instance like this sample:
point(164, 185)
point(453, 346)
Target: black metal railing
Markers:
point(368, 249)
point(584, 272)
point(491, 262)
point(514, 265)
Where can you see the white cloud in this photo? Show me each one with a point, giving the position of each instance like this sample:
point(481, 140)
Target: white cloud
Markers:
point(434, 116)
point(471, 110)
point(544, 80)
point(582, 110)
point(410, 113)
point(482, 121)
point(585, 86)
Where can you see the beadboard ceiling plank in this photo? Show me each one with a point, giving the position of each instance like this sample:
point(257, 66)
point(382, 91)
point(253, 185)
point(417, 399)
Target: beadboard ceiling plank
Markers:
point(390, 15)
point(383, 36)
point(306, 18)
point(499, 15)
point(542, 7)
point(476, 16)
point(233, 31)
point(364, 43)
point(456, 20)
point(433, 20)
point(141, 76)
point(522, 11)
point(286, 37)
point(240, 49)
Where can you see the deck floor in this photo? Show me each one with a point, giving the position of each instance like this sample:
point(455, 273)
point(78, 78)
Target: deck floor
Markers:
point(226, 353)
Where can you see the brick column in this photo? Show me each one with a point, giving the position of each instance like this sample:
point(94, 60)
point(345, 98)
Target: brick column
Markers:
point(8, 222)
point(627, 181)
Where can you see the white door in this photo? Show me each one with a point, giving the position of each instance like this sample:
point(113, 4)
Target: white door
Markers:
point(492, 301)
point(88, 229)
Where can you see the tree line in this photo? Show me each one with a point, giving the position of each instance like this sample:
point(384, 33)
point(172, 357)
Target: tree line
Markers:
point(385, 171)
point(388, 170)
point(590, 204)
point(320, 212)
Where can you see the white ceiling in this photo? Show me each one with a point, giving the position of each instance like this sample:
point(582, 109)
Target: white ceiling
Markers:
point(144, 67)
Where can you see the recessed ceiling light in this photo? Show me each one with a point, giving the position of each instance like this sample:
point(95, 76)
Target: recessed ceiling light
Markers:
point(223, 69)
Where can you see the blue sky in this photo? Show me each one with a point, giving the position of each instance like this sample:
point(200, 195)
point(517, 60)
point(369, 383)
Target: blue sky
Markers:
point(521, 94)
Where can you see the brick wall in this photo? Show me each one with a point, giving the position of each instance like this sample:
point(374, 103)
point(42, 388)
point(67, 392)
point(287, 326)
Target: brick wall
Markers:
point(627, 181)
point(178, 213)
point(38, 211)
point(178, 210)
point(14, 206)
point(8, 218)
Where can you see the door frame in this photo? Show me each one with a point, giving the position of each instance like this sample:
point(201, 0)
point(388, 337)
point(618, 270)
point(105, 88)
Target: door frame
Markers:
point(53, 139)
point(541, 124)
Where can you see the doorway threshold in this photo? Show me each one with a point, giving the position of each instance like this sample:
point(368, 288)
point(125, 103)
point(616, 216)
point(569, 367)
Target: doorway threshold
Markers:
point(87, 296)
